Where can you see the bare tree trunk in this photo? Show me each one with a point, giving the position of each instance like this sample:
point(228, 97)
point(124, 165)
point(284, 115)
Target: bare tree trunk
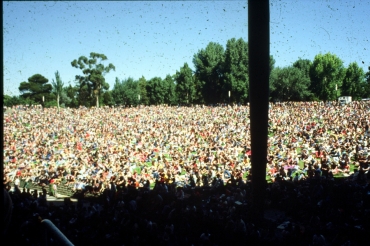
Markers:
point(58, 100)
point(97, 96)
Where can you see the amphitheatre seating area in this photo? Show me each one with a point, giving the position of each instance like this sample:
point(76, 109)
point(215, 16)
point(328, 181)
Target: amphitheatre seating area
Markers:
point(62, 188)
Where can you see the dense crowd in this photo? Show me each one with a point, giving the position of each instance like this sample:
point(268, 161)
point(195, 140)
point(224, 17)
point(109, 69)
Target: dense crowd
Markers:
point(182, 175)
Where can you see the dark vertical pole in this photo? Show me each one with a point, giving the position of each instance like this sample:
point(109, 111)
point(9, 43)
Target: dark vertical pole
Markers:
point(7, 200)
point(259, 73)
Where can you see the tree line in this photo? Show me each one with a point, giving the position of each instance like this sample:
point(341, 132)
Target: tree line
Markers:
point(220, 76)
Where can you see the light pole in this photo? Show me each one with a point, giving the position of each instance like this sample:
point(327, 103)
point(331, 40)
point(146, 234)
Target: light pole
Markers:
point(43, 102)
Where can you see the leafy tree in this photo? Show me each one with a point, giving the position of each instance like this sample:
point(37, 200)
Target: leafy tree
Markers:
point(131, 91)
point(367, 84)
point(272, 63)
point(271, 78)
point(304, 65)
point(208, 64)
point(236, 71)
point(71, 93)
point(290, 84)
point(64, 98)
point(156, 91)
point(170, 87)
point(93, 74)
point(118, 92)
point(126, 92)
point(142, 91)
point(198, 98)
point(354, 81)
point(185, 87)
point(326, 73)
point(108, 99)
point(10, 101)
point(84, 96)
point(57, 86)
point(36, 89)
point(50, 104)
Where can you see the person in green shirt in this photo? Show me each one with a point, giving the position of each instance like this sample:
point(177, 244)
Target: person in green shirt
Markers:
point(53, 188)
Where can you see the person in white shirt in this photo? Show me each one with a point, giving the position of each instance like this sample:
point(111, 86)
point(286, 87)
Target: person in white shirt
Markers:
point(16, 183)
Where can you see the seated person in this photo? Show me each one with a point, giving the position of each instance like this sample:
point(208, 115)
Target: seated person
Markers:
point(43, 178)
point(334, 167)
point(344, 163)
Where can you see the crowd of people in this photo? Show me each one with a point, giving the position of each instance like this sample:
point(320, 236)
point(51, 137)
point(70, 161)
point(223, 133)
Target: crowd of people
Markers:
point(182, 175)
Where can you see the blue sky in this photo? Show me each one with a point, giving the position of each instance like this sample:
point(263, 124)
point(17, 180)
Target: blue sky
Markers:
point(156, 38)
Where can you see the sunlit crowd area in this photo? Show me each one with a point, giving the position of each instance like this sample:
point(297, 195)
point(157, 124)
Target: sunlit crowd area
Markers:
point(182, 175)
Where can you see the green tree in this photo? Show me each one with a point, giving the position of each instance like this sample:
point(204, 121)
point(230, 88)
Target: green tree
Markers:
point(84, 96)
point(108, 99)
point(10, 101)
point(185, 87)
point(304, 65)
point(367, 84)
point(51, 104)
point(290, 84)
point(198, 98)
point(208, 64)
point(326, 73)
point(271, 77)
point(142, 91)
point(354, 81)
point(93, 74)
point(64, 100)
point(71, 94)
point(118, 92)
point(126, 92)
point(236, 71)
point(170, 86)
point(156, 91)
point(57, 86)
point(272, 63)
point(131, 91)
point(36, 89)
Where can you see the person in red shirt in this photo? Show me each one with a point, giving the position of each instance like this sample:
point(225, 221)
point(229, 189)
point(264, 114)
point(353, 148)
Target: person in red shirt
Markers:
point(79, 146)
point(18, 173)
